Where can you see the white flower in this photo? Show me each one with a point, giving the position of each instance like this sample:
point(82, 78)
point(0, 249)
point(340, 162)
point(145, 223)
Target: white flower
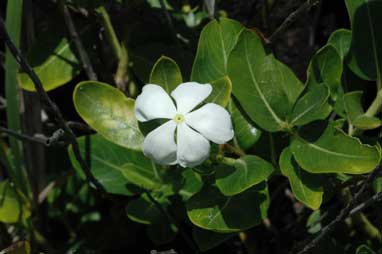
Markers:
point(193, 129)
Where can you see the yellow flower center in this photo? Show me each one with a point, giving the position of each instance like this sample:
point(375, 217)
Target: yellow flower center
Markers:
point(179, 118)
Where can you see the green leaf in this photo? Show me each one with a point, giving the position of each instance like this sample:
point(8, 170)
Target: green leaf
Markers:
point(53, 60)
point(326, 67)
point(13, 204)
point(246, 135)
point(191, 184)
point(211, 210)
point(335, 152)
point(206, 239)
point(341, 41)
point(305, 186)
point(115, 167)
point(246, 172)
point(366, 57)
point(364, 249)
point(221, 91)
point(109, 112)
point(142, 210)
point(312, 106)
point(356, 114)
point(264, 87)
point(166, 73)
point(216, 42)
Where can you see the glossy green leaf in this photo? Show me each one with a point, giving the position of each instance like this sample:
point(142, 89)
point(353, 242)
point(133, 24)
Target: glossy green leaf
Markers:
point(335, 152)
point(326, 67)
point(166, 73)
point(246, 135)
point(221, 91)
point(264, 87)
point(366, 57)
point(192, 183)
point(312, 106)
point(54, 62)
point(246, 172)
point(216, 42)
point(109, 112)
point(142, 210)
point(341, 41)
point(206, 239)
point(13, 205)
point(306, 187)
point(211, 210)
point(356, 114)
point(115, 167)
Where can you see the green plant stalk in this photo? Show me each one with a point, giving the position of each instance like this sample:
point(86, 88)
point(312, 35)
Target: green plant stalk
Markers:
point(12, 93)
point(110, 32)
point(376, 105)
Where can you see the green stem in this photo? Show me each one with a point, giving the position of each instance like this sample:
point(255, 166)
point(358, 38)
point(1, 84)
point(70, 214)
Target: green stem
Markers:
point(376, 106)
point(12, 92)
point(110, 32)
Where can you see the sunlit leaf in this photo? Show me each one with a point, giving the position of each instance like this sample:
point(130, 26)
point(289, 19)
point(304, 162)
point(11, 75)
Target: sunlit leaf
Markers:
point(13, 205)
point(221, 91)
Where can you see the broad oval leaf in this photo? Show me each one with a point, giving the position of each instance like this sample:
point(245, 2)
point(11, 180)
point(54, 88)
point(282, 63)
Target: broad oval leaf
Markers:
point(211, 210)
point(341, 41)
point(206, 239)
point(216, 42)
point(326, 67)
point(335, 152)
point(366, 56)
point(108, 111)
point(305, 186)
point(312, 106)
point(356, 114)
point(116, 168)
point(221, 91)
point(264, 87)
point(13, 205)
point(144, 211)
point(246, 135)
point(166, 73)
point(54, 62)
point(246, 172)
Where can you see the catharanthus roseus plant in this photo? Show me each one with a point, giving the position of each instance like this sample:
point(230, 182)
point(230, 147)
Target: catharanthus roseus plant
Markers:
point(231, 140)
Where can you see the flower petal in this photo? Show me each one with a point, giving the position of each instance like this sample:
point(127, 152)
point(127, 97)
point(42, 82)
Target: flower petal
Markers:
point(159, 144)
point(212, 121)
point(193, 148)
point(189, 95)
point(154, 103)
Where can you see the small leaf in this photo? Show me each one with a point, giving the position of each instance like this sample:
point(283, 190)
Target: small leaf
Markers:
point(211, 210)
point(305, 186)
point(116, 168)
point(364, 249)
point(246, 135)
point(264, 87)
point(53, 60)
point(13, 205)
point(335, 152)
point(312, 106)
point(216, 42)
point(221, 91)
point(191, 184)
point(356, 114)
point(366, 51)
point(341, 41)
point(326, 67)
point(206, 239)
point(142, 210)
point(247, 171)
point(109, 112)
point(166, 73)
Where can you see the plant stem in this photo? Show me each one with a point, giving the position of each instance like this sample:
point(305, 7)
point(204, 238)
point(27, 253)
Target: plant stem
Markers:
point(376, 105)
point(12, 92)
point(110, 32)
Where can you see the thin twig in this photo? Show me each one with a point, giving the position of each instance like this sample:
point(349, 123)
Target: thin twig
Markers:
point(50, 105)
point(376, 198)
point(86, 64)
point(170, 219)
point(292, 18)
point(23, 137)
point(345, 212)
